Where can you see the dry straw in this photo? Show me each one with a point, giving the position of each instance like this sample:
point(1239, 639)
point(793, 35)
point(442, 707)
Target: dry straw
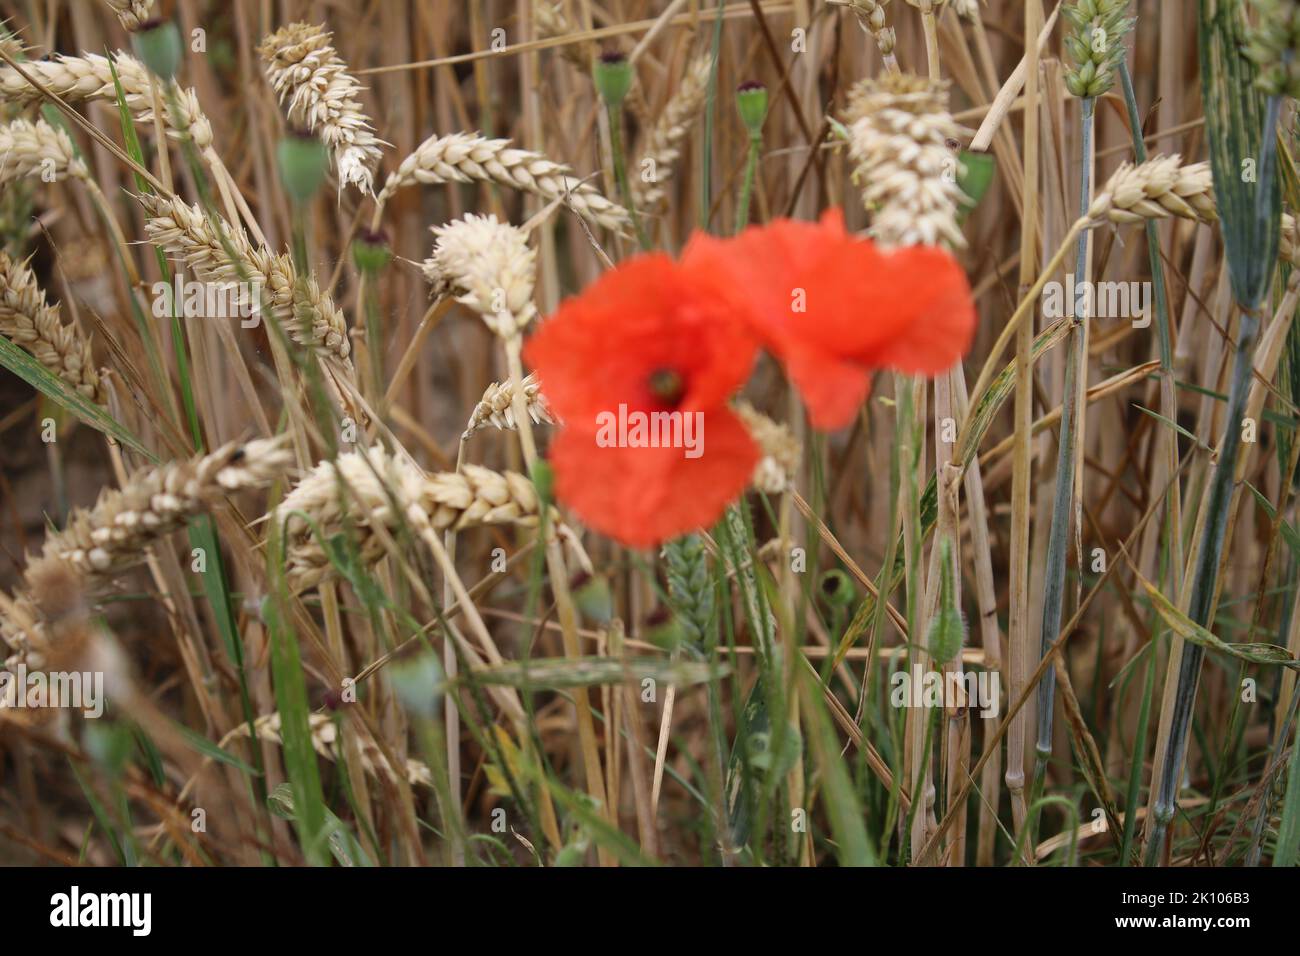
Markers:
point(30, 322)
point(902, 137)
point(81, 79)
point(307, 73)
point(372, 491)
point(307, 314)
point(663, 144)
point(465, 157)
point(495, 407)
point(490, 268)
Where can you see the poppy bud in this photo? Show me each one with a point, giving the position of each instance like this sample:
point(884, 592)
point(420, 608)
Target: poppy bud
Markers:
point(613, 78)
point(158, 45)
point(303, 165)
point(751, 102)
point(370, 252)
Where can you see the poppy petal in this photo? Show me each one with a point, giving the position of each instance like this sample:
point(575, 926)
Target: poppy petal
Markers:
point(644, 496)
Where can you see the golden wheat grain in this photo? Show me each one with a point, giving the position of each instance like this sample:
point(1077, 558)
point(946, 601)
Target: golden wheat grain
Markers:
point(490, 265)
point(365, 490)
point(29, 321)
point(325, 741)
point(494, 408)
point(81, 79)
point(466, 157)
point(323, 97)
point(307, 314)
point(900, 137)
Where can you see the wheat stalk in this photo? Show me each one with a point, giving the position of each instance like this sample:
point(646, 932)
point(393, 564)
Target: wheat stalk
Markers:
point(899, 136)
point(495, 407)
point(132, 14)
point(88, 78)
point(664, 141)
point(306, 313)
point(305, 70)
point(466, 157)
point(29, 321)
point(490, 264)
point(369, 490)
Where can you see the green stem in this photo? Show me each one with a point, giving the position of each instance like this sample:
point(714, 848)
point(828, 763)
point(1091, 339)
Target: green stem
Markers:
point(620, 172)
point(747, 190)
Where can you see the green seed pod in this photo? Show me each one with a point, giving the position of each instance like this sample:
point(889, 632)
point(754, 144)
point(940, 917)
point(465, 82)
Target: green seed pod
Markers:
point(751, 103)
point(837, 588)
point(304, 164)
point(613, 78)
point(158, 45)
point(947, 629)
point(370, 252)
point(664, 630)
point(418, 681)
point(593, 597)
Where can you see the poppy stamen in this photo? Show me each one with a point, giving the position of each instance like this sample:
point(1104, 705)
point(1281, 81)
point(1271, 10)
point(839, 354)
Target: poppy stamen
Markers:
point(667, 385)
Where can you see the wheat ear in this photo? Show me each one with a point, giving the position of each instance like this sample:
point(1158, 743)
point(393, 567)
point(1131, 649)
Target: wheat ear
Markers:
point(466, 157)
point(372, 491)
point(132, 14)
point(307, 314)
point(37, 149)
point(780, 450)
point(307, 73)
point(1156, 189)
point(899, 136)
point(29, 321)
point(81, 79)
point(663, 144)
point(490, 266)
point(495, 407)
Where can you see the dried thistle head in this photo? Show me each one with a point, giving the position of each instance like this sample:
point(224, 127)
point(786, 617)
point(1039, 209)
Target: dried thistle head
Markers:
point(1095, 44)
point(1273, 44)
point(322, 97)
point(491, 268)
point(900, 136)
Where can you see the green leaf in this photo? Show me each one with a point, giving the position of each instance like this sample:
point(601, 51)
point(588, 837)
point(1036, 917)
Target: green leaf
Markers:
point(65, 396)
point(1194, 633)
point(557, 672)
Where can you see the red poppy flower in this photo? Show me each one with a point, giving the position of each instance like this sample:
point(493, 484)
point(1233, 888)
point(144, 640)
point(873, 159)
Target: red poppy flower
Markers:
point(639, 367)
point(833, 307)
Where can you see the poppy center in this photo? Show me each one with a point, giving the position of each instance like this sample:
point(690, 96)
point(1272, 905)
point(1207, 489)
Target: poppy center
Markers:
point(667, 385)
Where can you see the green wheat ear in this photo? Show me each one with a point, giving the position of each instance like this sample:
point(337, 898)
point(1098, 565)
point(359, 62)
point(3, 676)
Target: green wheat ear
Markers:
point(1095, 44)
point(1272, 45)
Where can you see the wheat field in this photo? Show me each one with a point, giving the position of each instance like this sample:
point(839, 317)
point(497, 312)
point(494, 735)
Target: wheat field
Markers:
point(339, 337)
